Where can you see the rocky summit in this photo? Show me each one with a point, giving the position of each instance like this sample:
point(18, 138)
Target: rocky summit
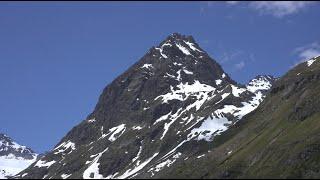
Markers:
point(170, 106)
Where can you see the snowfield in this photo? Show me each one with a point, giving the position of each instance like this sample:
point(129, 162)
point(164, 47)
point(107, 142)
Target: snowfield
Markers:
point(11, 165)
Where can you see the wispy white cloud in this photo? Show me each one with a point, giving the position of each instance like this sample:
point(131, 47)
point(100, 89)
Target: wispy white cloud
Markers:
point(307, 52)
point(240, 65)
point(229, 56)
point(276, 8)
point(232, 2)
point(237, 59)
point(252, 57)
point(279, 8)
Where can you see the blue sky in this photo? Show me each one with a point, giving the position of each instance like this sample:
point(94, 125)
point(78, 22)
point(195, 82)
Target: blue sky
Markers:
point(56, 58)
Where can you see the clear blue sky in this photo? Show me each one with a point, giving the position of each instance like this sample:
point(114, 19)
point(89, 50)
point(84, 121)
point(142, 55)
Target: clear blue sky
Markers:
point(56, 58)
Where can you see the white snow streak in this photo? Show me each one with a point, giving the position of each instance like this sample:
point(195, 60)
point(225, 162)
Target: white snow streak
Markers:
point(116, 132)
point(191, 46)
point(183, 49)
point(147, 66)
point(65, 146)
point(186, 71)
point(166, 163)
point(136, 127)
point(65, 176)
point(41, 163)
point(93, 168)
point(312, 60)
point(132, 172)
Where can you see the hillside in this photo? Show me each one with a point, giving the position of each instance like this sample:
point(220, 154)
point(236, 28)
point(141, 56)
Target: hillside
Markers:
point(280, 139)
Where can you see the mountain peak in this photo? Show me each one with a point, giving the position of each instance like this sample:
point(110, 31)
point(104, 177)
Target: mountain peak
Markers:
point(13, 156)
point(177, 45)
point(178, 58)
point(176, 95)
point(9, 146)
point(178, 36)
point(260, 83)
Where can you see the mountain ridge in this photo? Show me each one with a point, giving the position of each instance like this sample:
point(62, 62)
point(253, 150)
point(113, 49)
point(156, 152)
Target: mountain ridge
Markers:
point(277, 140)
point(174, 97)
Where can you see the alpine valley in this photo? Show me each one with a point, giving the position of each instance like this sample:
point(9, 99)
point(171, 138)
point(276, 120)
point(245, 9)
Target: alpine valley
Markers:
point(176, 114)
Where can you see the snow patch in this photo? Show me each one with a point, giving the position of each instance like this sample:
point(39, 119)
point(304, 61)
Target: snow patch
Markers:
point(174, 149)
point(92, 172)
point(218, 82)
point(91, 120)
point(179, 75)
point(259, 84)
point(163, 55)
point(136, 127)
point(191, 46)
point(132, 172)
point(200, 156)
point(11, 165)
point(223, 96)
point(65, 176)
point(185, 89)
point(183, 49)
point(186, 71)
point(41, 163)
point(213, 126)
point(147, 66)
point(116, 132)
point(161, 49)
point(65, 146)
point(239, 112)
point(169, 75)
point(177, 64)
point(138, 156)
point(209, 128)
point(166, 163)
point(236, 91)
point(311, 61)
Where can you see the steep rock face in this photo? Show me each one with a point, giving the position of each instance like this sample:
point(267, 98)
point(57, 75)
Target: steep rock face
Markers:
point(13, 157)
point(166, 108)
point(280, 139)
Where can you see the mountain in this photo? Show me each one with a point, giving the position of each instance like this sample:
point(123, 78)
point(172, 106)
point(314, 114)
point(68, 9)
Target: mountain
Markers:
point(280, 139)
point(14, 157)
point(166, 108)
